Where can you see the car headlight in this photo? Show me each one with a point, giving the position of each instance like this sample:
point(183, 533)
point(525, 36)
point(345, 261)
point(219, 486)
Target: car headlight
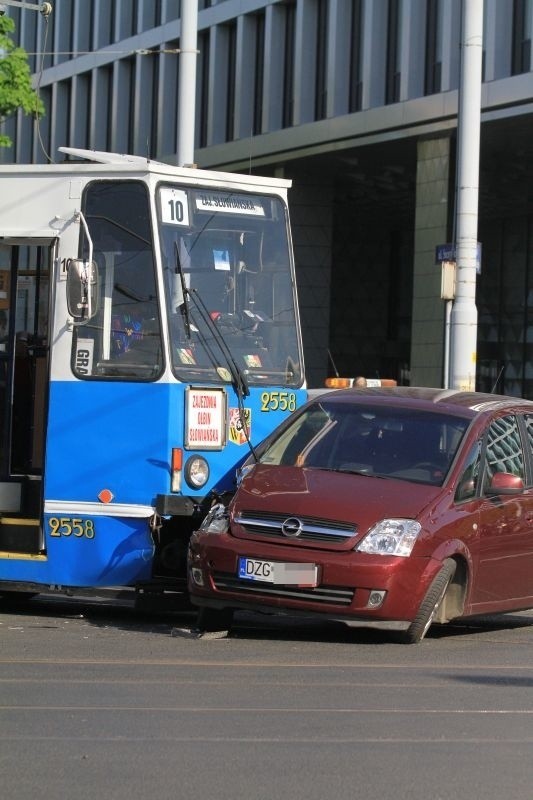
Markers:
point(391, 537)
point(217, 520)
point(196, 471)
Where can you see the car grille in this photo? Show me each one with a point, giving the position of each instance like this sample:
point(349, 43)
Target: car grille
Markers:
point(312, 529)
point(329, 595)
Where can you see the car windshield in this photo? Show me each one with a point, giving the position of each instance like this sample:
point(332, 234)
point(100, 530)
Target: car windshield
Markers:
point(380, 441)
point(230, 255)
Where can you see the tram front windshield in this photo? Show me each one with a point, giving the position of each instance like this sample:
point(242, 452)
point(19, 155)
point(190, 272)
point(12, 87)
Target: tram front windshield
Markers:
point(228, 278)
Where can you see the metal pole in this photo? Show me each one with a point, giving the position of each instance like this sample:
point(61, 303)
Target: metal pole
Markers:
point(464, 312)
point(187, 81)
point(447, 332)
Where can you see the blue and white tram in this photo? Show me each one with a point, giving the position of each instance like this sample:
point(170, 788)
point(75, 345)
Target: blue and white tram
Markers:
point(149, 337)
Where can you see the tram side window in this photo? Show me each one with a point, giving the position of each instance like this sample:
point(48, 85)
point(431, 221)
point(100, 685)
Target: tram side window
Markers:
point(123, 338)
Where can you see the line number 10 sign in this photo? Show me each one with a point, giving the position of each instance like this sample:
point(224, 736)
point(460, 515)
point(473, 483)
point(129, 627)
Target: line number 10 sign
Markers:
point(174, 206)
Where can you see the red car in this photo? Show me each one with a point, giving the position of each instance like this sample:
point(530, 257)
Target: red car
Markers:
point(391, 508)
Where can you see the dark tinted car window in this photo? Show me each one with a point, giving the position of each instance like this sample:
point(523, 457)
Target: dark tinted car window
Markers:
point(504, 449)
point(400, 443)
point(529, 427)
point(469, 480)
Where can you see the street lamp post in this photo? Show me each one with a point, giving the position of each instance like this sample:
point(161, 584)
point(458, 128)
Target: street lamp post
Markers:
point(187, 81)
point(464, 311)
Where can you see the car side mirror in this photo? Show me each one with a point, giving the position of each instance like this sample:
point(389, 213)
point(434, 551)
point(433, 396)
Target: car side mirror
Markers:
point(82, 290)
point(505, 483)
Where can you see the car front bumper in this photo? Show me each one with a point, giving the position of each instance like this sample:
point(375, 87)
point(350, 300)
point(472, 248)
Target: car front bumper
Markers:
point(347, 582)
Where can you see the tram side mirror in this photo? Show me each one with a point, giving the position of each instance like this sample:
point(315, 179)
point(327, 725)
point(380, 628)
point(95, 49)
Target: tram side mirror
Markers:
point(82, 290)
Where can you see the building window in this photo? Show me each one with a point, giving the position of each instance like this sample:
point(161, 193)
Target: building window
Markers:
point(356, 84)
point(82, 23)
point(203, 84)
point(392, 87)
point(321, 59)
point(521, 41)
point(149, 15)
point(432, 78)
point(103, 26)
point(257, 124)
point(231, 45)
point(123, 19)
point(504, 300)
point(288, 63)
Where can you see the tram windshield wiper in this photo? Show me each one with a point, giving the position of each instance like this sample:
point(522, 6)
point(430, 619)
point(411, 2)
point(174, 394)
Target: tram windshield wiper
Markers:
point(238, 377)
point(239, 380)
point(184, 308)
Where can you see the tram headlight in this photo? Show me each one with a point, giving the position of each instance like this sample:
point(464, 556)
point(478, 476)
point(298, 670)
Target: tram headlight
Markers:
point(196, 472)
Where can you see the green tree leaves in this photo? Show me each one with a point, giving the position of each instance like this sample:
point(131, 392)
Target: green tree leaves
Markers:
point(15, 79)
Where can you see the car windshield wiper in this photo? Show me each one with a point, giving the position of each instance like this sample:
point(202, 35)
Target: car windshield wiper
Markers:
point(368, 473)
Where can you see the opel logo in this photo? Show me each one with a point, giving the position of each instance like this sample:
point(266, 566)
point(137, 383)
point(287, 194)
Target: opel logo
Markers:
point(292, 527)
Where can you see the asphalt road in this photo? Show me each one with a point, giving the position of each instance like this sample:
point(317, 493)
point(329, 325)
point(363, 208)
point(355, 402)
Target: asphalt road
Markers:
point(97, 701)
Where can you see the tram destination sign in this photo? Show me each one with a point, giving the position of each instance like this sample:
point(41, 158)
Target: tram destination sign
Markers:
point(205, 425)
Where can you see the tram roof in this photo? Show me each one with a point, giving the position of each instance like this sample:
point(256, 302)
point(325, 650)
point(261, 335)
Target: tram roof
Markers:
point(101, 162)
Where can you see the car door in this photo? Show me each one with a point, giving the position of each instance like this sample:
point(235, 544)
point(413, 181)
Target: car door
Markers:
point(504, 563)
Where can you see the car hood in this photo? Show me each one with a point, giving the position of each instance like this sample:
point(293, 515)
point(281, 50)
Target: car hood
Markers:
point(359, 500)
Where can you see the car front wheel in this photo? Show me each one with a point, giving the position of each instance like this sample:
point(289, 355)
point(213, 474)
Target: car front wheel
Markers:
point(430, 604)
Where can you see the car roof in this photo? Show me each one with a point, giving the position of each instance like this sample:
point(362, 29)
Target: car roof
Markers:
point(451, 401)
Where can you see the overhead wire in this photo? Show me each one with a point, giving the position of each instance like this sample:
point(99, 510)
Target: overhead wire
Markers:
point(141, 51)
point(38, 90)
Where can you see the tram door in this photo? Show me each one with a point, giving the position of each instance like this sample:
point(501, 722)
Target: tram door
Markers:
point(24, 347)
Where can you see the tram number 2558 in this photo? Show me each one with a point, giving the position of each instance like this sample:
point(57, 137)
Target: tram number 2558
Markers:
point(72, 526)
point(278, 401)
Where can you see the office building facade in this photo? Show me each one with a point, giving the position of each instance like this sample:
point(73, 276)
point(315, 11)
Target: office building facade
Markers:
point(355, 101)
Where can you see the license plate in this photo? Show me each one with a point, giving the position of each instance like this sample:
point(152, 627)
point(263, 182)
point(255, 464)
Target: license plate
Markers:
point(254, 569)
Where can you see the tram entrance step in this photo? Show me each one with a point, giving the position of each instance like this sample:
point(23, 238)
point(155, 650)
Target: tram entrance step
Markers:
point(20, 535)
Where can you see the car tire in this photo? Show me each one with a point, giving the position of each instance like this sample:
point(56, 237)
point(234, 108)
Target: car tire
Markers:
point(214, 619)
point(430, 604)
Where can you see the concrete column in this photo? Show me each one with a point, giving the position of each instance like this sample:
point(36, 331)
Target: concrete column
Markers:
point(245, 71)
point(338, 70)
point(498, 24)
point(413, 23)
point(218, 89)
point(165, 101)
point(374, 58)
point(451, 32)
point(304, 64)
point(431, 229)
point(273, 75)
point(101, 94)
point(121, 110)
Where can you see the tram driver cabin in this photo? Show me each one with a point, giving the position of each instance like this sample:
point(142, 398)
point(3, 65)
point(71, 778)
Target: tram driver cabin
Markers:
point(150, 338)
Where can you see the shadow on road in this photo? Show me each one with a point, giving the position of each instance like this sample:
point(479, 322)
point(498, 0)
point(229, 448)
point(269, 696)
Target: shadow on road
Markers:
point(166, 620)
